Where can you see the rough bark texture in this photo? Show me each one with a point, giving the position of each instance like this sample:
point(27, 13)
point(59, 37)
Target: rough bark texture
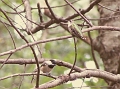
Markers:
point(108, 42)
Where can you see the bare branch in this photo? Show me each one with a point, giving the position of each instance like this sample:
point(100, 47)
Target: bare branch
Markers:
point(28, 15)
point(61, 38)
point(41, 60)
point(110, 28)
point(75, 48)
point(37, 80)
point(34, 43)
point(25, 74)
point(91, 73)
point(40, 13)
point(80, 14)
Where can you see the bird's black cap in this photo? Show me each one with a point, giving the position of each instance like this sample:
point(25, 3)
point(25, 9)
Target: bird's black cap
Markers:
point(53, 61)
point(51, 66)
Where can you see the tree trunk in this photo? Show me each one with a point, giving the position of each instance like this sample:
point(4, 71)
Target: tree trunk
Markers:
point(108, 42)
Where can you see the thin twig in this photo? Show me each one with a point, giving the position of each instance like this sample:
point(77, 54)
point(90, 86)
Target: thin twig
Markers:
point(22, 77)
point(37, 80)
point(82, 83)
point(108, 8)
point(92, 51)
point(87, 21)
point(10, 35)
point(92, 4)
point(6, 60)
point(29, 24)
point(20, 14)
point(52, 13)
point(40, 13)
point(75, 47)
point(41, 7)
point(34, 43)
point(25, 74)
point(111, 28)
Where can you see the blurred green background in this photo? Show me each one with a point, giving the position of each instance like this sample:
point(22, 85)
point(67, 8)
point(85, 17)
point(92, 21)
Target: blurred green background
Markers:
point(62, 50)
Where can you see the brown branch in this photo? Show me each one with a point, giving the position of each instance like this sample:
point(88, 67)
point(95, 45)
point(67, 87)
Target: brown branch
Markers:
point(80, 14)
point(40, 13)
point(61, 38)
point(92, 51)
point(87, 21)
point(110, 28)
point(47, 24)
point(6, 60)
point(34, 43)
point(65, 78)
point(28, 15)
point(42, 26)
point(29, 19)
point(74, 32)
point(85, 10)
point(10, 35)
point(75, 49)
point(42, 7)
point(108, 8)
point(92, 4)
point(25, 74)
point(22, 61)
point(91, 73)
point(60, 5)
point(41, 60)
point(65, 26)
point(22, 78)
point(100, 28)
point(37, 80)
point(52, 13)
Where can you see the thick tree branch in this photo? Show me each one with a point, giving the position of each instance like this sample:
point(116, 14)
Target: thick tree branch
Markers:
point(47, 24)
point(32, 61)
point(86, 73)
point(65, 78)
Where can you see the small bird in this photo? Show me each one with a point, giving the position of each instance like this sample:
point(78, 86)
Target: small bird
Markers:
point(47, 66)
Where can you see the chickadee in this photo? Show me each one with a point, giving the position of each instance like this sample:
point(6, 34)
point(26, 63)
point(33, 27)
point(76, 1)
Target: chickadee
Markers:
point(47, 66)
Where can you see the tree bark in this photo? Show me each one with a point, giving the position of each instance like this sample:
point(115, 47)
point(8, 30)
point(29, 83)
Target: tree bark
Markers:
point(108, 42)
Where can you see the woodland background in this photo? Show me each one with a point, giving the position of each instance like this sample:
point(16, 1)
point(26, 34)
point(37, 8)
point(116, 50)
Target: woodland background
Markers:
point(18, 58)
